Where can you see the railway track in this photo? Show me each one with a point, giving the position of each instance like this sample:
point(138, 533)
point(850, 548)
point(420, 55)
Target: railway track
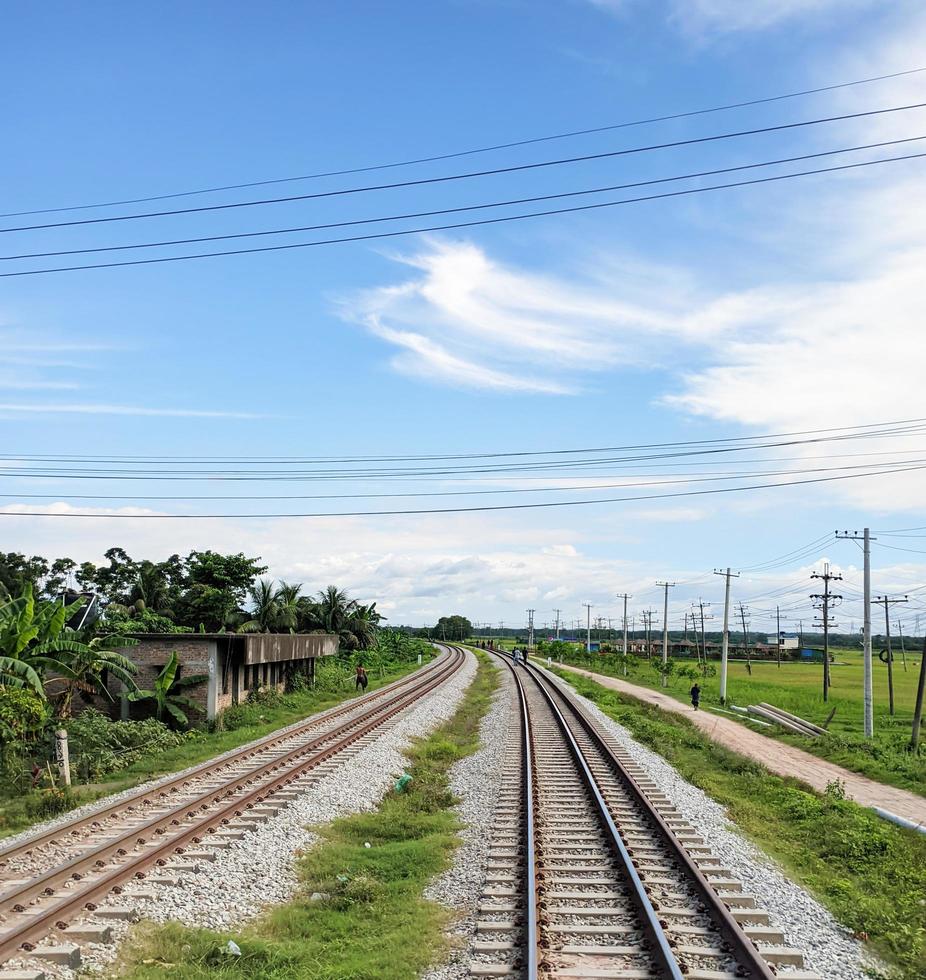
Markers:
point(51, 883)
point(593, 873)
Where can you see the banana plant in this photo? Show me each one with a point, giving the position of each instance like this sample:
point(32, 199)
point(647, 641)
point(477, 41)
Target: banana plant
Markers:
point(165, 693)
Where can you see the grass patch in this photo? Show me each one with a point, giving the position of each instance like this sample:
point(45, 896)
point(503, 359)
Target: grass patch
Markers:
point(251, 721)
point(869, 873)
point(374, 923)
point(796, 687)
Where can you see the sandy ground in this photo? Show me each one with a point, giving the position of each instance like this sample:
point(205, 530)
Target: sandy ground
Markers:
point(776, 756)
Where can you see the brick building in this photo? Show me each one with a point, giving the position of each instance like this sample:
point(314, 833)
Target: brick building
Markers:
point(234, 664)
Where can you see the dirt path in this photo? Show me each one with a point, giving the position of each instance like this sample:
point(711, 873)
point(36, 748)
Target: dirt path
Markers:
point(774, 755)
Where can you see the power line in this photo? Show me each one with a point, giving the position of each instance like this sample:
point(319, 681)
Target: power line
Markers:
point(464, 510)
point(875, 429)
point(447, 470)
point(463, 224)
point(458, 210)
point(470, 152)
point(516, 168)
point(683, 479)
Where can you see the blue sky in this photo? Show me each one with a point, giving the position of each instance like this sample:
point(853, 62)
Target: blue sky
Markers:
point(741, 312)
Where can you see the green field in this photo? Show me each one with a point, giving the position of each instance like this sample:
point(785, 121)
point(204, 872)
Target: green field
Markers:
point(798, 688)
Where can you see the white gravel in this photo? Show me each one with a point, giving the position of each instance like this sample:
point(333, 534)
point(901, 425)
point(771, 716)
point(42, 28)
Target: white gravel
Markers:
point(829, 948)
point(476, 780)
point(260, 869)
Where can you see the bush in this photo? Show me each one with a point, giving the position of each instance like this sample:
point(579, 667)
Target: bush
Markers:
point(99, 746)
point(23, 715)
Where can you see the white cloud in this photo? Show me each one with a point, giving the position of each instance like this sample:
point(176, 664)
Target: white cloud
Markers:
point(470, 321)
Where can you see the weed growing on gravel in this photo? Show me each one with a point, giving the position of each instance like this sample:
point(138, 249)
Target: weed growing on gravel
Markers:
point(869, 873)
point(369, 920)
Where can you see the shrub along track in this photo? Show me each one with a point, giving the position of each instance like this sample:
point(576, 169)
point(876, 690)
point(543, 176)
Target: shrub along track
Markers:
point(49, 881)
point(592, 873)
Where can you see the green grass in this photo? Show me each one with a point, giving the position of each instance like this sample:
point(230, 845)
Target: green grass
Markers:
point(797, 687)
point(375, 923)
point(869, 873)
point(19, 811)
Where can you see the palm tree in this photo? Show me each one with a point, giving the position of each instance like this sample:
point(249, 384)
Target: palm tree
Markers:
point(361, 625)
point(333, 609)
point(165, 693)
point(264, 598)
point(287, 598)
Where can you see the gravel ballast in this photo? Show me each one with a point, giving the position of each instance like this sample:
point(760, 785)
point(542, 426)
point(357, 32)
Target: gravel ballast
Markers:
point(476, 781)
point(260, 869)
point(829, 948)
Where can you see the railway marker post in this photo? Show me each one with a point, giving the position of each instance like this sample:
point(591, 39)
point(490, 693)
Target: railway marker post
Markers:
point(62, 756)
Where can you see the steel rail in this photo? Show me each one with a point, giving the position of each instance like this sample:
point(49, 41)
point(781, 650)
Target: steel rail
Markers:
point(41, 922)
point(665, 963)
point(745, 951)
point(127, 804)
point(532, 912)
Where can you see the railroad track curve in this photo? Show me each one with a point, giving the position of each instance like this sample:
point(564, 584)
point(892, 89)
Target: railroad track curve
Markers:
point(593, 873)
point(49, 883)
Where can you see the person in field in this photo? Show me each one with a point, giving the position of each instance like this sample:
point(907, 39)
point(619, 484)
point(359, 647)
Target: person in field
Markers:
point(361, 679)
point(695, 693)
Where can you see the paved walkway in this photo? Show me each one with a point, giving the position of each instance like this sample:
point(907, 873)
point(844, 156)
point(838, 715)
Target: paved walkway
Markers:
point(777, 756)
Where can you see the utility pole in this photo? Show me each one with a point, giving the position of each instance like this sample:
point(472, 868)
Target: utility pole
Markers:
point(890, 656)
point(625, 597)
point(903, 649)
point(826, 600)
point(530, 629)
point(557, 611)
point(725, 645)
point(918, 710)
point(588, 626)
point(701, 605)
point(745, 639)
point(665, 630)
point(778, 627)
point(866, 628)
point(648, 626)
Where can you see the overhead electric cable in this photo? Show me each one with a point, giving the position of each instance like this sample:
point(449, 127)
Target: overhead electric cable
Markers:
point(460, 510)
point(888, 427)
point(462, 224)
point(629, 482)
point(493, 468)
point(610, 154)
point(511, 202)
point(470, 152)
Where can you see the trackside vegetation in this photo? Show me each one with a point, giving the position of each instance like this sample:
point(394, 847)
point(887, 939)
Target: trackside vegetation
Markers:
point(869, 873)
point(372, 921)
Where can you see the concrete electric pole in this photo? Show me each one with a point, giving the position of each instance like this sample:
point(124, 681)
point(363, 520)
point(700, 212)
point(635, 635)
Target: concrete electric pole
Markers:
point(725, 644)
point(868, 696)
point(665, 630)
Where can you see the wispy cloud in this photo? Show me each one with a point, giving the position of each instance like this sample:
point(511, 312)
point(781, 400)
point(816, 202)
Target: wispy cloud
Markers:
point(702, 17)
point(468, 320)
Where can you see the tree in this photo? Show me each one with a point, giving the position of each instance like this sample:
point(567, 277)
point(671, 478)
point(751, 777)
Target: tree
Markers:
point(453, 628)
point(288, 602)
point(266, 614)
point(166, 693)
point(17, 571)
point(215, 587)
